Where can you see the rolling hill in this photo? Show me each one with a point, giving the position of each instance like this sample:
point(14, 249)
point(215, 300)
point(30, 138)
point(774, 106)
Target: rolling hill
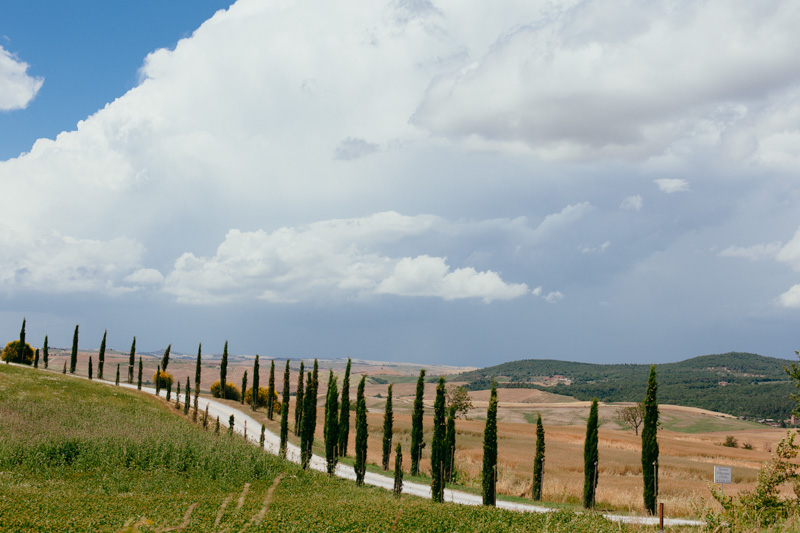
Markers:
point(741, 384)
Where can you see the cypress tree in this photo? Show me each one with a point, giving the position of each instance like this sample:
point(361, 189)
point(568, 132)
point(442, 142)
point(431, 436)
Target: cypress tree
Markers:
point(344, 412)
point(538, 461)
point(36, 358)
point(489, 483)
point(65, 368)
point(298, 402)
point(169, 389)
point(309, 422)
point(139, 381)
point(187, 398)
point(244, 387)
point(590, 458)
point(263, 438)
point(21, 348)
point(416, 425)
point(450, 444)
point(223, 370)
point(165, 359)
point(158, 380)
point(116, 381)
point(45, 354)
point(90, 367)
point(254, 401)
point(388, 422)
point(231, 424)
point(271, 394)
point(197, 371)
point(73, 358)
point(216, 427)
point(131, 361)
point(438, 444)
point(285, 411)
point(177, 396)
point(398, 470)
point(650, 443)
point(360, 465)
point(205, 417)
point(331, 428)
point(101, 356)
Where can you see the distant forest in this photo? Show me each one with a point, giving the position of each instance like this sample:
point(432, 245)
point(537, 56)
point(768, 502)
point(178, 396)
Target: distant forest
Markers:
point(741, 384)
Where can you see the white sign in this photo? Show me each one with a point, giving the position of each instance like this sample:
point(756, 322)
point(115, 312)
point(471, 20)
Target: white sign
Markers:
point(722, 474)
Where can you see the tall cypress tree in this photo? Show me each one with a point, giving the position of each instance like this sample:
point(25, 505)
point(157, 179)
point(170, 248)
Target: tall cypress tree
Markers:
point(309, 422)
point(344, 412)
point(45, 354)
point(158, 379)
point(361, 433)
point(223, 370)
point(398, 470)
point(489, 483)
point(139, 381)
point(73, 358)
point(36, 359)
point(590, 466)
point(256, 384)
point(285, 410)
point(90, 367)
point(271, 393)
point(244, 387)
point(131, 361)
point(165, 358)
point(450, 444)
point(416, 425)
point(438, 444)
point(650, 443)
point(197, 375)
point(21, 348)
point(538, 461)
point(388, 423)
point(116, 381)
point(101, 356)
point(331, 428)
point(177, 396)
point(298, 401)
point(187, 397)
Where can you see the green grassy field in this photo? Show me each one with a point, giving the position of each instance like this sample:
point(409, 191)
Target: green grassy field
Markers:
point(83, 456)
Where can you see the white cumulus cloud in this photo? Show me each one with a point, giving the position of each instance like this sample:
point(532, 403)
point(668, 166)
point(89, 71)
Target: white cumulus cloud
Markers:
point(632, 203)
point(17, 88)
point(672, 185)
point(790, 298)
point(754, 253)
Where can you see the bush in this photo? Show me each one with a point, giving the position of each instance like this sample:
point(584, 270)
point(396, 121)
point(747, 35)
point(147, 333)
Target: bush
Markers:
point(730, 442)
point(162, 380)
point(232, 392)
point(263, 395)
point(12, 353)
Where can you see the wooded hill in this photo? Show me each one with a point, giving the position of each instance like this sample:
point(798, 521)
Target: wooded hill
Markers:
point(741, 384)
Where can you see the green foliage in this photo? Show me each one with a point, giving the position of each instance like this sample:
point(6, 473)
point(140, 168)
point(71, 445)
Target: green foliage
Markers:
point(12, 353)
point(36, 358)
point(139, 378)
point(590, 466)
point(756, 387)
point(73, 358)
point(458, 398)
point(538, 461)
point(162, 379)
point(116, 381)
point(388, 422)
point(450, 444)
point(730, 442)
point(165, 358)
point(232, 392)
point(398, 470)
point(187, 398)
point(331, 425)
point(344, 412)
point(45, 353)
point(489, 471)
point(650, 443)
point(256, 385)
point(131, 361)
point(90, 367)
point(309, 420)
point(197, 368)
point(360, 465)
point(244, 386)
point(416, 424)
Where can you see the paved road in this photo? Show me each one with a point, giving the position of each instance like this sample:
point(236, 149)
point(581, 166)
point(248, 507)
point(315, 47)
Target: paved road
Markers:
point(243, 422)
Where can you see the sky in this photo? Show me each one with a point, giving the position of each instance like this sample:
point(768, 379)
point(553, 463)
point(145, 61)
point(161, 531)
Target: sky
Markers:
point(408, 180)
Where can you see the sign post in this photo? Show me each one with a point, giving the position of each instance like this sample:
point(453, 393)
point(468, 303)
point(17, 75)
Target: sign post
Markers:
point(722, 475)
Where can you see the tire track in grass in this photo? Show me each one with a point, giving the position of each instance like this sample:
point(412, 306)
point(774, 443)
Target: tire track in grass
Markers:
point(221, 511)
point(186, 518)
point(259, 516)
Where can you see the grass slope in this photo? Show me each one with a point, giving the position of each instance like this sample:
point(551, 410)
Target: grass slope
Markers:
point(740, 384)
point(82, 456)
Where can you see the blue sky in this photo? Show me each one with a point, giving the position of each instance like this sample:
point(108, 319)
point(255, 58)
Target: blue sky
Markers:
point(413, 180)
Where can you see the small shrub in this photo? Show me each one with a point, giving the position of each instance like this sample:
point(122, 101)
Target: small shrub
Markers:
point(747, 446)
point(162, 380)
point(263, 395)
point(11, 353)
point(730, 442)
point(232, 392)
